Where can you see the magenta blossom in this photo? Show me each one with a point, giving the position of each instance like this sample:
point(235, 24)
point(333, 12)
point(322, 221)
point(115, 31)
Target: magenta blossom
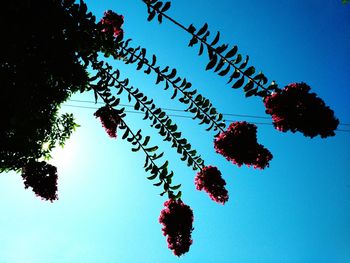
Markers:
point(112, 23)
point(209, 179)
point(177, 219)
point(295, 109)
point(239, 145)
point(42, 178)
point(110, 120)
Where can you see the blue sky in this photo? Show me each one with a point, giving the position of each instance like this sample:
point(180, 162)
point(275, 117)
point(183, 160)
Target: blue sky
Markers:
point(297, 210)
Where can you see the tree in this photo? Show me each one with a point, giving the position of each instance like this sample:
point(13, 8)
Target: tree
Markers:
point(61, 55)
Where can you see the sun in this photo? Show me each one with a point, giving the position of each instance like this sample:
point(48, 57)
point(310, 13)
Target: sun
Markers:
point(64, 156)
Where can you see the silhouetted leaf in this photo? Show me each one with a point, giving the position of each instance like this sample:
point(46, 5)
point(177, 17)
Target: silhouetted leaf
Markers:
point(147, 138)
point(238, 83)
point(248, 86)
point(152, 149)
point(251, 92)
point(232, 52)
point(216, 39)
point(166, 7)
point(151, 15)
point(221, 48)
point(249, 71)
point(191, 29)
point(225, 71)
point(202, 30)
point(212, 62)
point(152, 177)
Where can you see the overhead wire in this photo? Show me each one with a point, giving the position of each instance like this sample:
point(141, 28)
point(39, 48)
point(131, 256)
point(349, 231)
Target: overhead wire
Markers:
point(178, 110)
point(179, 115)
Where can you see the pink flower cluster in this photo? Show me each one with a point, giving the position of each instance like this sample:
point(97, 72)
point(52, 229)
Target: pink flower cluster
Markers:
point(177, 219)
point(110, 120)
point(239, 145)
point(209, 179)
point(42, 178)
point(295, 109)
point(112, 23)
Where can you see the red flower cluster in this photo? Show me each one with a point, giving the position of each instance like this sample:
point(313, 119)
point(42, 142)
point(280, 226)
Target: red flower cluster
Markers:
point(110, 120)
point(112, 23)
point(42, 177)
point(209, 179)
point(177, 219)
point(239, 145)
point(295, 109)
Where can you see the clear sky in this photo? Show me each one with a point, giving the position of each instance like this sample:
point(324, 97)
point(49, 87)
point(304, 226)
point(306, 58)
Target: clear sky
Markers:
point(295, 211)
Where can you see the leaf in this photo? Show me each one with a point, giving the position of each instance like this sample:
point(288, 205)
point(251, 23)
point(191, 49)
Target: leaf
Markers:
point(165, 165)
point(137, 105)
point(139, 65)
point(232, 52)
point(225, 71)
point(160, 18)
point(157, 111)
point(191, 29)
point(95, 93)
point(126, 133)
point(249, 71)
point(212, 62)
point(158, 5)
point(152, 149)
point(154, 60)
point(158, 184)
point(174, 94)
point(234, 75)
point(193, 41)
point(220, 65)
point(115, 102)
point(202, 30)
point(251, 92)
point(152, 177)
point(136, 148)
point(261, 77)
point(216, 39)
point(238, 59)
point(147, 138)
point(155, 157)
point(175, 187)
point(151, 15)
point(178, 195)
point(201, 48)
point(238, 83)
point(172, 74)
point(166, 7)
point(248, 86)
point(221, 48)
point(244, 64)
point(262, 93)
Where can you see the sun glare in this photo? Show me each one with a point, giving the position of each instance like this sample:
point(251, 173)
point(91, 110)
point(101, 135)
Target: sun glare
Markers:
point(63, 157)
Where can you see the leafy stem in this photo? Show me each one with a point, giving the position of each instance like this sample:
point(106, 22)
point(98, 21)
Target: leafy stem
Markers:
point(165, 178)
point(200, 106)
point(160, 119)
point(216, 56)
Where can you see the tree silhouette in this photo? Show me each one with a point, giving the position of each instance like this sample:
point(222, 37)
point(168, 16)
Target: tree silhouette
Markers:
point(54, 49)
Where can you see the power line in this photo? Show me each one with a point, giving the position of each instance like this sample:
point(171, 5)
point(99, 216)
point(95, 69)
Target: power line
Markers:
point(172, 115)
point(178, 110)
